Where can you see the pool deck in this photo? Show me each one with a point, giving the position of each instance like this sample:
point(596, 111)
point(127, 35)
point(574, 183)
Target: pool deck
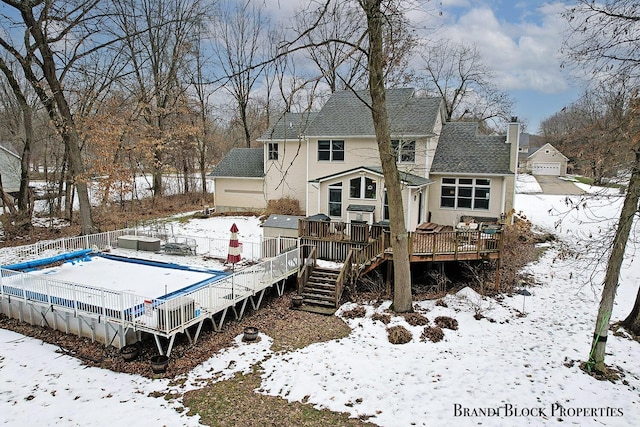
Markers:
point(109, 298)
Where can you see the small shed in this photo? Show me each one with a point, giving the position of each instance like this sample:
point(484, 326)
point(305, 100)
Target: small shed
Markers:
point(281, 225)
point(547, 160)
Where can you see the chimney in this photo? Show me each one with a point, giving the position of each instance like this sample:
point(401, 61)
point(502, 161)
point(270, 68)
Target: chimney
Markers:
point(513, 138)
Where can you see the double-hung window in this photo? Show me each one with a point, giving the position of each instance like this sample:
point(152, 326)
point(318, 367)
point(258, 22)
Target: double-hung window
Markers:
point(465, 193)
point(331, 150)
point(362, 187)
point(405, 151)
point(272, 151)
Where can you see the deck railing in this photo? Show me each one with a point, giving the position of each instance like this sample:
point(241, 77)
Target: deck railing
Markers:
point(334, 241)
point(454, 242)
point(336, 230)
point(266, 247)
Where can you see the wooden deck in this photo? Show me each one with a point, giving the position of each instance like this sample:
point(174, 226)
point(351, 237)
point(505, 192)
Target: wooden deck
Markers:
point(429, 243)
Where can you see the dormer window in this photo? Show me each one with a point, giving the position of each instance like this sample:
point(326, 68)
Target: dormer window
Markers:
point(405, 151)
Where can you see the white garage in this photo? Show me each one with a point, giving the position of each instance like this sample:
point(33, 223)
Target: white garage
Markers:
point(547, 160)
point(546, 169)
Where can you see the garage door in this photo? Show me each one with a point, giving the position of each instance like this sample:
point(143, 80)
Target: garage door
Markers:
point(546, 168)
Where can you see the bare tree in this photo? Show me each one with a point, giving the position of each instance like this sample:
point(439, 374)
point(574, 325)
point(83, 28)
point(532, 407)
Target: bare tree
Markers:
point(56, 36)
point(591, 131)
point(376, 13)
point(616, 256)
point(336, 42)
point(457, 73)
point(604, 38)
point(158, 37)
point(203, 120)
point(341, 65)
point(238, 35)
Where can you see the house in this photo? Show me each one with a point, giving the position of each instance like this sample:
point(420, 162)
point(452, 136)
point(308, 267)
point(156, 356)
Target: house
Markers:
point(9, 169)
point(329, 161)
point(547, 160)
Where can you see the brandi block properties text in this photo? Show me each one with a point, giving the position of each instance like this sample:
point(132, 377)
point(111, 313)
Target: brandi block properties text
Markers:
point(554, 410)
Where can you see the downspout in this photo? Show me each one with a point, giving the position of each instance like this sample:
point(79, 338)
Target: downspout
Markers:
point(409, 196)
point(503, 205)
point(426, 159)
point(318, 202)
point(306, 198)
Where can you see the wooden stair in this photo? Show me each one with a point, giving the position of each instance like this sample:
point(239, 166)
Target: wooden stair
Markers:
point(319, 293)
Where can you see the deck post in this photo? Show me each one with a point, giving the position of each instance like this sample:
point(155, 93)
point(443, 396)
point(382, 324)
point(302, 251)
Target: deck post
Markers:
point(244, 305)
point(195, 338)
point(171, 340)
point(159, 347)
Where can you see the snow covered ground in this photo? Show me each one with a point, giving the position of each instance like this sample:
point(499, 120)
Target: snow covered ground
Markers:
point(522, 367)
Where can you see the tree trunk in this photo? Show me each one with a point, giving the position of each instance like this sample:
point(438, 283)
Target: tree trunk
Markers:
point(202, 162)
point(68, 198)
point(203, 178)
point(632, 321)
point(67, 125)
point(185, 173)
point(157, 173)
point(402, 302)
point(63, 173)
point(245, 124)
point(629, 208)
point(23, 196)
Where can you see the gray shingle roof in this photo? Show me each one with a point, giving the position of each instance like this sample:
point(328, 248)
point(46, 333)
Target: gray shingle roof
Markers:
point(462, 150)
point(282, 221)
point(289, 126)
point(241, 163)
point(347, 114)
point(408, 178)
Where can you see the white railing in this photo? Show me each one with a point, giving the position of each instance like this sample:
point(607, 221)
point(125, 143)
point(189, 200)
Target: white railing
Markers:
point(151, 314)
point(216, 248)
point(12, 255)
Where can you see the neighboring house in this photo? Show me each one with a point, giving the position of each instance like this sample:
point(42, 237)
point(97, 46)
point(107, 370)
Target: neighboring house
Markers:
point(547, 160)
point(238, 181)
point(329, 161)
point(9, 169)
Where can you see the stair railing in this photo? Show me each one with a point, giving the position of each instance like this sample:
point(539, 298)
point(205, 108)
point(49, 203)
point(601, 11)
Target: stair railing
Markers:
point(309, 262)
point(345, 275)
point(367, 253)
